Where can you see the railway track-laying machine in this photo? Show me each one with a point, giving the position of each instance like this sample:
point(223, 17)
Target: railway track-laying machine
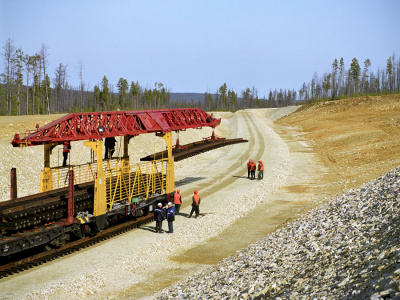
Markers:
point(80, 200)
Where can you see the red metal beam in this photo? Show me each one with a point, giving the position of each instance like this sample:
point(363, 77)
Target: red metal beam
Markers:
point(84, 126)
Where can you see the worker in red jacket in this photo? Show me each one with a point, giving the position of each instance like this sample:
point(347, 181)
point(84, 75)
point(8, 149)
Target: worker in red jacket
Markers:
point(177, 201)
point(66, 148)
point(195, 204)
point(260, 170)
point(253, 170)
point(249, 168)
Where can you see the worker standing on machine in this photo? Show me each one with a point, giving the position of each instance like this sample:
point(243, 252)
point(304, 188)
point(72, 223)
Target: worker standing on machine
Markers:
point(158, 217)
point(253, 170)
point(177, 201)
point(195, 204)
point(170, 217)
point(109, 144)
point(66, 148)
point(260, 170)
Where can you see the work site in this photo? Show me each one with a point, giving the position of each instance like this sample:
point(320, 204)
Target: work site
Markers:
point(322, 222)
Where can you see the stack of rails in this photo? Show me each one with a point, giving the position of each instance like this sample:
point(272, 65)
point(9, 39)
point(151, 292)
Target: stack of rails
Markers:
point(42, 208)
point(185, 151)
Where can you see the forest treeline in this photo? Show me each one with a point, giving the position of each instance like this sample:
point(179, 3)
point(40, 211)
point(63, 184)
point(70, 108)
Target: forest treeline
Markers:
point(27, 86)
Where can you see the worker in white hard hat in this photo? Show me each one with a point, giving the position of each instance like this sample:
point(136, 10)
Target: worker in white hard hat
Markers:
point(158, 217)
point(170, 217)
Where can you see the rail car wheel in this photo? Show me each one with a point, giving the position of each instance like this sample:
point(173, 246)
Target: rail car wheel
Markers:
point(101, 223)
point(59, 241)
point(85, 230)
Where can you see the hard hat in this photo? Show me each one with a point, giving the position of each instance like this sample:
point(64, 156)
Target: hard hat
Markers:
point(195, 192)
point(169, 203)
point(260, 161)
point(159, 204)
point(178, 191)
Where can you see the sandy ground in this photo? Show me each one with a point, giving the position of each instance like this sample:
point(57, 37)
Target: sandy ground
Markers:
point(140, 262)
point(357, 139)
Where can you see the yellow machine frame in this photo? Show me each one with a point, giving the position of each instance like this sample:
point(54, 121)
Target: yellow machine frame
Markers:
point(160, 175)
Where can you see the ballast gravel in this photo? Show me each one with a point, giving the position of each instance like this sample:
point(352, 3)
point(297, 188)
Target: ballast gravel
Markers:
point(346, 248)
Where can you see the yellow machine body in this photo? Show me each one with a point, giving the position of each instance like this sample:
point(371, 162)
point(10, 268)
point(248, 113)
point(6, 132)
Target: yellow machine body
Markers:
point(115, 180)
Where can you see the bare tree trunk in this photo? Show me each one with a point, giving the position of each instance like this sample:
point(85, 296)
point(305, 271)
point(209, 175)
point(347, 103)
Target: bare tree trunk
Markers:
point(27, 83)
point(8, 56)
point(44, 54)
point(35, 60)
point(40, 82)
point(81, 83)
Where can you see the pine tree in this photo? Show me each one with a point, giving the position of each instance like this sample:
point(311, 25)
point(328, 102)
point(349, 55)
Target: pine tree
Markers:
point(341, 75)
point(389, 72)
point(355, 73)
point(104, 94)
point(122, 86)
point(19, 65)
point(367, 64)
point(335, 68)
point(133, 91)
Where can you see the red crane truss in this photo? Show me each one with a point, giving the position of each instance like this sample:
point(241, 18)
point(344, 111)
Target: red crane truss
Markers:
point(85, 126)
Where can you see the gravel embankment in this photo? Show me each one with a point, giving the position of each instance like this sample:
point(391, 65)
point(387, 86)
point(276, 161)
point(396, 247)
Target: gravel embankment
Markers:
point(347, 248)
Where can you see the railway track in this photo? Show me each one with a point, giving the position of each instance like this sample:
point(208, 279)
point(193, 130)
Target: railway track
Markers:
point(22, 264)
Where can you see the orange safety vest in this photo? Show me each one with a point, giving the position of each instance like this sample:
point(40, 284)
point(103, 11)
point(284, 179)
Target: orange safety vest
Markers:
point(177, 198)
point(261, 167)
point(196, 199)
point(66, 147)
point(248, 166)
point(253, 166)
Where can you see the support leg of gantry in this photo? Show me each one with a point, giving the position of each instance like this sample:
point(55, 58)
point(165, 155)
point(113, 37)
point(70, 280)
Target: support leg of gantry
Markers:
point(125, 157)
point(100, 201)
point(170, 184)
point(46, 176)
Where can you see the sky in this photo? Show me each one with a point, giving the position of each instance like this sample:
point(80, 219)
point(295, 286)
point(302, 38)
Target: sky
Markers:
point(197, 46)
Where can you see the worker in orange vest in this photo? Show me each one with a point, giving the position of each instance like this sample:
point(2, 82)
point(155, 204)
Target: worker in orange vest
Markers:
point(177, 201)
point(249, 168)
point(260, 170)
point(253, 170)
point(195, 204)
point(66, 148)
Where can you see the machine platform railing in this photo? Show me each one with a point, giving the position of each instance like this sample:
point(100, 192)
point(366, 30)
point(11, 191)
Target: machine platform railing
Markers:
point(145, 179)
point(83, 173)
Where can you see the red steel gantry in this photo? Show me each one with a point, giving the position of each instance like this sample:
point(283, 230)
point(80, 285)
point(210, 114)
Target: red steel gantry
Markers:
point(84, 126)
